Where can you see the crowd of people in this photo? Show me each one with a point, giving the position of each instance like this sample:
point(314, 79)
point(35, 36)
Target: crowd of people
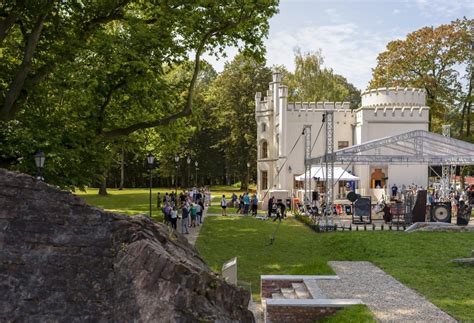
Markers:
point(245, 204)
point(188, 206)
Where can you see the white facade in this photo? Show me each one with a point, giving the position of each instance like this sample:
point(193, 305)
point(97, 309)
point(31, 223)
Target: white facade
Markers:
point(383, 112)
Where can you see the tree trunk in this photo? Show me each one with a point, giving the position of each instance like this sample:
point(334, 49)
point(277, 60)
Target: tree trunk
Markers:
point(468, 120)
point(103, 187)
point(244, 182)
point(19, 80)
point(122, 169)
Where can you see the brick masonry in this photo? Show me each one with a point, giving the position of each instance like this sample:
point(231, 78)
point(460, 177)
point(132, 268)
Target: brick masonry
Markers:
point(297, 314)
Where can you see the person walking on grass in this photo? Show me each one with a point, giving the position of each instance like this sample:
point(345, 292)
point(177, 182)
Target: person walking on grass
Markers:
point(193, 212)
point(270, 206)
point(158, 201)
point(241, 205)
point(246, 199)
point(166, 213)
point(174, 218)
point(198, 212)
point(234, 200)
point(185, 219)
point(201, 212)
point(224, 205)
point(254, 204)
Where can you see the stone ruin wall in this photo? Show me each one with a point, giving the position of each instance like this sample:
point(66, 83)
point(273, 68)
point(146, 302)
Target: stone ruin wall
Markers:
point(64, 261)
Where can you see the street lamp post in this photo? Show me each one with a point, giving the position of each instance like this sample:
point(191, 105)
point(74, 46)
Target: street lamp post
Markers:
point(150, 159)
point(188, 160)
point(248, 175)
point(176, 159)
point(39, 161)
point(196, 164)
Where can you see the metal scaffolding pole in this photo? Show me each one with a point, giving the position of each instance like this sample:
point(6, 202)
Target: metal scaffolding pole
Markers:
point(329, 159)
point(446, 169)
point(307, 163)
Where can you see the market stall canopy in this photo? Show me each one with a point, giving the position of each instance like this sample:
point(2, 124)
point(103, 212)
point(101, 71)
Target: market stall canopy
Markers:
point(339, 173)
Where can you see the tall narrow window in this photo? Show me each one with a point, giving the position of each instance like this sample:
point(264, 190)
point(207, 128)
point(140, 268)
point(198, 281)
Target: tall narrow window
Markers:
point(264, 152)
point(264, 178)
point(264, 127)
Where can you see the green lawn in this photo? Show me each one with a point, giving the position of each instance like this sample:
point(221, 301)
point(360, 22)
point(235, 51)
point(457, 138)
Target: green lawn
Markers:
point(136, 200)
point(127, 201)
point(419, 260)
point(351, 314)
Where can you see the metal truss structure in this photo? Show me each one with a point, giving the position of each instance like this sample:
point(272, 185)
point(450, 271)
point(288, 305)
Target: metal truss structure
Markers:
point(414, 147)
point(446, 170)
point(329, 161)
point(307, 162)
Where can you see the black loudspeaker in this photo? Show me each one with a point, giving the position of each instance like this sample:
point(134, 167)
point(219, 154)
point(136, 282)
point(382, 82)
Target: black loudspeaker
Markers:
point(351, 196)
point(440, 212)
point(419, 210)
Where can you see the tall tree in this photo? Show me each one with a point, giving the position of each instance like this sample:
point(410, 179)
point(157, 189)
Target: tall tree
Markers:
point(312, 81)
point(231, 98)
point(101, 71)
point(430, 58)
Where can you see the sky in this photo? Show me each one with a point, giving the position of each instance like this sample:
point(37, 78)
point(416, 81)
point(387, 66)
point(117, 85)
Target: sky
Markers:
point(350, 33)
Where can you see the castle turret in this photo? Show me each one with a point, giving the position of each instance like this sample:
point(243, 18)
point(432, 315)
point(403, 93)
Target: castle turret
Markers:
point(258, 101)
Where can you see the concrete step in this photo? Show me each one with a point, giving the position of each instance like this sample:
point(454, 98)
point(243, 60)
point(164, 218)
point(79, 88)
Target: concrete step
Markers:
point(277, 296)
point(314, 289)
point(301, 291)
point(289, 293)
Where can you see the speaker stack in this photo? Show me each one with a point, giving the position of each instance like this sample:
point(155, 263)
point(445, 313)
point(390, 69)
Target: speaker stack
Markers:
point(440, 212)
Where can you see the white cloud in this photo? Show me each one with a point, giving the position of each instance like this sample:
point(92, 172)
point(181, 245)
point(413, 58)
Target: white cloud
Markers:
point(448, 9)
point(347, 49)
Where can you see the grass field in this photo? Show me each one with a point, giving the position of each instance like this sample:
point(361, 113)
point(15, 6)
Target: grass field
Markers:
point(136, 200)
point(419, 260)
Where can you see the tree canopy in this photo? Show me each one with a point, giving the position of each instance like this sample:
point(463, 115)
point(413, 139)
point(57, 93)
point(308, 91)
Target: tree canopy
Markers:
point(312, 81)
point(78, 75)
point(439, 60)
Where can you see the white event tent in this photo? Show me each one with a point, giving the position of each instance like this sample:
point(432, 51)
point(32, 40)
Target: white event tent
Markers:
point(320, 172)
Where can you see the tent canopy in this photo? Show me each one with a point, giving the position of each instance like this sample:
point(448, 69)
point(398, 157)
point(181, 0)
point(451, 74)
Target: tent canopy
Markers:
point(414, 147)
point(339, 173)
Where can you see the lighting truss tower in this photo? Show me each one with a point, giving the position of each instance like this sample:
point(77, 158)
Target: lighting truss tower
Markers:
point(446, 169)
point(307, 163)
point(329, 159)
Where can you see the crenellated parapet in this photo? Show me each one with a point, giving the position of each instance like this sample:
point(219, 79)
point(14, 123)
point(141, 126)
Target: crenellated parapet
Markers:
point(388, 96)
point(318, 106)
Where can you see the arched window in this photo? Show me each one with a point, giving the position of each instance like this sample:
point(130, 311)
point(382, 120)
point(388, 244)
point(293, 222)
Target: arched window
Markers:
point(264, 150)
point(264, 127)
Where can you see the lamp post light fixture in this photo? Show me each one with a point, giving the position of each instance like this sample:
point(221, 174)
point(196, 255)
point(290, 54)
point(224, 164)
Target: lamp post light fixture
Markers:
point(39, 161)
point(150, 160)
point(176, 159)
point(196, 164)
point(188, 160)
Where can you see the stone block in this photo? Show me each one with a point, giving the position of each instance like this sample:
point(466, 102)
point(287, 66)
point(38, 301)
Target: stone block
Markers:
point(65, 261)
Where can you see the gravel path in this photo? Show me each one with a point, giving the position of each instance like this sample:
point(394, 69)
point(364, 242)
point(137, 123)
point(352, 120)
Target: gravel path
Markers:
point(388, 299)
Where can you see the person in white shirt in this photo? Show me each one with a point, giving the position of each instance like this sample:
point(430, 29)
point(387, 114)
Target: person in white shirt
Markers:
point(224, 205)
point(174, 217)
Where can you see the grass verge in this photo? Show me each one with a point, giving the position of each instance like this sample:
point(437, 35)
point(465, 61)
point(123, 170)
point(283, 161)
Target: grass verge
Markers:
point(421, 260)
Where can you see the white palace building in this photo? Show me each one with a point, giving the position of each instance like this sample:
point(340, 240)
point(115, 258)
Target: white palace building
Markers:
point(383, 112)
